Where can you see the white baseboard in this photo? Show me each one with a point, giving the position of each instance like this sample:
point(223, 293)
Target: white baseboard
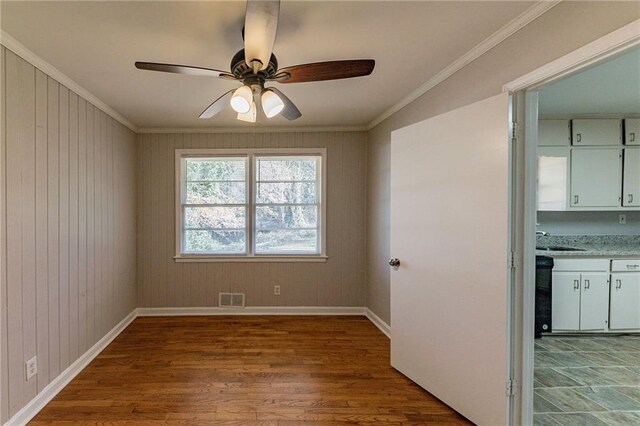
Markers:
point(377, 321)
point(253, 310)
point(34, 406)
point(30, 410)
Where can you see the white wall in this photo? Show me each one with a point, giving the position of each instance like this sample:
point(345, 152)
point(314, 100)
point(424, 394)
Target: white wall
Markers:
point(338, 282)
point(68, 228)
point(559, 31)
point(589, 223)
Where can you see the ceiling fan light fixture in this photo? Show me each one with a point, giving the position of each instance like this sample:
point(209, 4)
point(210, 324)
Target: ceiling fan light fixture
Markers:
point(242, 99)
point(249, 116)
point(272, 105)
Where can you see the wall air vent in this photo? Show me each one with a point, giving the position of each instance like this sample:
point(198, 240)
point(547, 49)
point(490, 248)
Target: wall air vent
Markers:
point(231, 300)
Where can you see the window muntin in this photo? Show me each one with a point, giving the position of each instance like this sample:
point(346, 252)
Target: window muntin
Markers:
point(250, 203)
point(214, 205)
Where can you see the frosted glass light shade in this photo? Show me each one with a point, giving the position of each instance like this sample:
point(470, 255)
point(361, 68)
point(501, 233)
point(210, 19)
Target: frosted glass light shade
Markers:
point(271, 103)
point(249, 116)
point(242, 99)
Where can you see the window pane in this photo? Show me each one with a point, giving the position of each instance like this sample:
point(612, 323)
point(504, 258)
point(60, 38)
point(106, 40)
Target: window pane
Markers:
point(216, 242)
point(286, 169)
point(286, 192)
point(209, 169)
point(215, 193)
point(214, 217)
point(278, 217)
point(283, 242)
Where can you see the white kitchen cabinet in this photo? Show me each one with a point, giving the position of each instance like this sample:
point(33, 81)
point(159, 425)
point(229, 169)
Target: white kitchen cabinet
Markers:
point(554, 133)
point(596, 132)
point(624, 312)
point(632, 131)
point(565, 301)
point(580, 294)
point(596, 177)
point(553, 178)
point(631, 179)
point(594, 301)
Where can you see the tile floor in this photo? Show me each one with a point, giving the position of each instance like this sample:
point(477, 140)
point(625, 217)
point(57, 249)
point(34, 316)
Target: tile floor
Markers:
point(587, 380)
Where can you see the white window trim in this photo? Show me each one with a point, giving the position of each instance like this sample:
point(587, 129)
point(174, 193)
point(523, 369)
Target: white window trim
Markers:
point(180, 154)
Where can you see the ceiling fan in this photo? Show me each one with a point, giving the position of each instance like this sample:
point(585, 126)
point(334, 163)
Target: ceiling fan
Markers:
point(256, 65)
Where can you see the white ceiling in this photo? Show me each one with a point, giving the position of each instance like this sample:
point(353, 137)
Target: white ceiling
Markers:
point(611, 88)
point(96, 44)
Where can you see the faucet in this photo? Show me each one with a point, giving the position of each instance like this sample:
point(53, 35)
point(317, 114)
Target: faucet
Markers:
point(543, 233)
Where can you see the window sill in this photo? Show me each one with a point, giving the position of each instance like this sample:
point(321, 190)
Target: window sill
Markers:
point(251, 259)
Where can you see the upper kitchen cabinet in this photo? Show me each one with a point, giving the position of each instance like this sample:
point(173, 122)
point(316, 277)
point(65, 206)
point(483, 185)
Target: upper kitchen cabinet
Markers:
point(632, 131)
point(554, 133)
point(596, 178)
point(596, 132)
point(631, 180)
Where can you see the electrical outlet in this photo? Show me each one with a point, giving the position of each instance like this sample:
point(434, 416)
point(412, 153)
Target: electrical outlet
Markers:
point(31, 367)
point(622, 219)
point(276, 290)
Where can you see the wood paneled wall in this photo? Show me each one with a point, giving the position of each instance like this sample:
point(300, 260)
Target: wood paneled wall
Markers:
point(68, 227)
point(338, 282)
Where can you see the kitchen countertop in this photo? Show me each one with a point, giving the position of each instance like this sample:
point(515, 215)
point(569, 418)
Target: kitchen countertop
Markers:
point(591, 245)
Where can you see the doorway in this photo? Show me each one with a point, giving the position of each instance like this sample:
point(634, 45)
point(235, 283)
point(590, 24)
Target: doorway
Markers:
point(585, 366)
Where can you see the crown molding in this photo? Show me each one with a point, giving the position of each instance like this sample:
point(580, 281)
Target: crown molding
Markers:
point(487, 44)
point(21, 50)
point(587, 55)
point(258, 129)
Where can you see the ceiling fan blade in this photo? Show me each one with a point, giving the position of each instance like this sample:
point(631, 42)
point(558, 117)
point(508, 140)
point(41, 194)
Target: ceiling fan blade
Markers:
point(218, 105)
point(321, 71)
point(290, 111)
point(182, 69)
point(260, 27)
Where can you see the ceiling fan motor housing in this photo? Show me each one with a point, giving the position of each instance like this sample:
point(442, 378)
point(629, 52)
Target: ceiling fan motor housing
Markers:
point(240, 69)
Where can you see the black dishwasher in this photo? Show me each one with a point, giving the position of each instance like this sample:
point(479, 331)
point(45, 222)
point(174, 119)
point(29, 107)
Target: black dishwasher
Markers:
point(544, 266)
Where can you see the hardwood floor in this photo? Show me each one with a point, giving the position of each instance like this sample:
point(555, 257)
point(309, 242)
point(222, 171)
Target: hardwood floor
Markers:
point(255, 370)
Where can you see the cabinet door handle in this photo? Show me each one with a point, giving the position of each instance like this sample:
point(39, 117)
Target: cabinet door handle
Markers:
point(632, 137)
point(576, 284)
point(630, 198)
point(618, 284)
point(578, 137)
point(575, 199)
point(587, 284)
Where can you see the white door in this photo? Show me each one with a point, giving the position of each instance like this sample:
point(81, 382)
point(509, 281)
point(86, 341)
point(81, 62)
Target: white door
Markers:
point(596, 177)
point(631, 179)
point(565, 301)
point(599, 131)
point(632, 131)
point(625, 301)
point(554, 133)
point(594, 301)
point(449, 216)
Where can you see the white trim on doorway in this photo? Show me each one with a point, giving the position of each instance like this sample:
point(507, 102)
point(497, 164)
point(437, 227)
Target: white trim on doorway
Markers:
point(614, 43)
point(598, 50)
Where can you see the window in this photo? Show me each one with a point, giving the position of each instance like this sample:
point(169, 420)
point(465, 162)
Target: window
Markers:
point(250, 204)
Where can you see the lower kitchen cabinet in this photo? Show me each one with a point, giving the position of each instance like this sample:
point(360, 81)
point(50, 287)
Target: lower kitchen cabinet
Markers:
point(625, 301)
point(580, 301)
point(594, 301)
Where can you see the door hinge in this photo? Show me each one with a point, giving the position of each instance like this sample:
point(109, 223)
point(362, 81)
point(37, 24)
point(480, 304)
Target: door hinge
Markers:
point(513, 264)
point(511, 387)
point(514, 132)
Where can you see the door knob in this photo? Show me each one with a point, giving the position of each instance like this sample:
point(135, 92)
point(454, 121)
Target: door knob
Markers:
point(394, 262)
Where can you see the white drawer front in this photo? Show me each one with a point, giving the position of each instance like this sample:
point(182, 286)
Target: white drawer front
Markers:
point(581, 265)
point(625, 265)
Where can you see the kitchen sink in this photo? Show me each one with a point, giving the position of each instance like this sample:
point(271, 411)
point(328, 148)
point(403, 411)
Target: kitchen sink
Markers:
point(559, 248)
